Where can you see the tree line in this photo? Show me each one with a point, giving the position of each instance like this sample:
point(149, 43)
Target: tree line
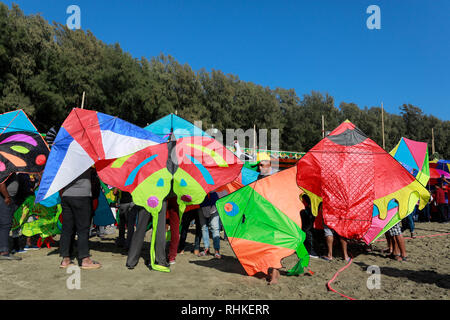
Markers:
point(44, 70)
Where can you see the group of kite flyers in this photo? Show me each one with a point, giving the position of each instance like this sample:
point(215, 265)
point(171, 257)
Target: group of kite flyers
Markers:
point(76, 202)
point(320, 177)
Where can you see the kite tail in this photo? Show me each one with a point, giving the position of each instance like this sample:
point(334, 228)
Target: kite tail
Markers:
point(302, 263)
point(152, 247)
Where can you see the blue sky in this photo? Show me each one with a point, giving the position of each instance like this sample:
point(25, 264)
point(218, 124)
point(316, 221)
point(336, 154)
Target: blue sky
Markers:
point(321, 45)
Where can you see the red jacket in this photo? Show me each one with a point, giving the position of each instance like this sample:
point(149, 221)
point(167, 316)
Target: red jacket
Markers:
point(440, 196)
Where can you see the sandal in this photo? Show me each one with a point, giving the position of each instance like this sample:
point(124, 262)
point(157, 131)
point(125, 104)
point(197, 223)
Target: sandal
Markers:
point(326, 258)
point(203, 253)
point(217, 255)
point(93, 265)
point(64, 266)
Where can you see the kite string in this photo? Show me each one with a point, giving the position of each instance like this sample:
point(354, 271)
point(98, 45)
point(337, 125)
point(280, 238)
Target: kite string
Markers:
point(419, 237)
point(334, 278)
point(351, 260)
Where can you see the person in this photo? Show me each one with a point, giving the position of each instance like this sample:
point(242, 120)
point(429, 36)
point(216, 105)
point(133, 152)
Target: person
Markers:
point(188, 217)
point(209, 219)
point(8, 204)
point(398, 243)
point(307, 225)
point(76, 203)
point(174, 223)
point(408, 222)
point(265, 169)
point(27, 185)
point(137, 241)
point(389, 251)
point(127, 217)
point(329, 238)
point(441, 202)
point(427, 209)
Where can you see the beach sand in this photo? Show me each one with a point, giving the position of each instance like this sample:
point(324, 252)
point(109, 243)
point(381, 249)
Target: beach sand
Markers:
point(425, 276)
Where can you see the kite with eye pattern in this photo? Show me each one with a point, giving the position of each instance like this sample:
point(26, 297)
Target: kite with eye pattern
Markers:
point(190, 164)
point(22, 148)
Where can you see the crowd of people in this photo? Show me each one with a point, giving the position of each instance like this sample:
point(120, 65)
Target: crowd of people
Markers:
point(135, 221)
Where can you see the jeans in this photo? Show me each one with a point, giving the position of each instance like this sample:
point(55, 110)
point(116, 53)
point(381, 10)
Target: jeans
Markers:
point(213, 223)
point(6, 215)
point(185, 222)
point(76, 215)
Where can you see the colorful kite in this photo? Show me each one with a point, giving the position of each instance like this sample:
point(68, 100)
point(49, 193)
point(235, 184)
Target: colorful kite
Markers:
point(16, 121)
point(413, 156)
point(439, 168)
point(190, 163)
point(22, 148)
point(263, 224)
point(45, 219)
point(349, 173)
point(21, 151)
point(85, 138)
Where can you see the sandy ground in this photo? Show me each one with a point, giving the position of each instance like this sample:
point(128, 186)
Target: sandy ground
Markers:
point(425, 276)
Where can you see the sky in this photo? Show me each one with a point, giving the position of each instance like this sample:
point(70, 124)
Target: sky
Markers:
point(320, 45)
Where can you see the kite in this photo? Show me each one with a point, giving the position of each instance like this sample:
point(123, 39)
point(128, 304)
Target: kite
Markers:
point(350, 174)
point(21, 151)
point(85, 138)
point(16, 121)
point(191, 164)
point(22, 148)
point(45, 219)
point(413, 156)
point(439, 168)
point(263, 224)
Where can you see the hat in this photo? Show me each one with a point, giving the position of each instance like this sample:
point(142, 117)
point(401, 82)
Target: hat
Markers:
point(262, 156)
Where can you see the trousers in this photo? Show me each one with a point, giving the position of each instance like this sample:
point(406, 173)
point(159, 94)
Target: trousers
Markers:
point(6, 216)
point(137, 241)
point(76, 215)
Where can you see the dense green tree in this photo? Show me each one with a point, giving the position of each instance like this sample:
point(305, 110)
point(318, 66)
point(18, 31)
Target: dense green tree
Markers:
point(44, 69)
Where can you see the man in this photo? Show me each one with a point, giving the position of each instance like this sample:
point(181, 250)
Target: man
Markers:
point(441, 202)
point(210, 221)
point(76, 203)
point(265, 169)
point(398, 243)
point(329, 238)
point(126, 218)
point(8, 204)
point(308, 225)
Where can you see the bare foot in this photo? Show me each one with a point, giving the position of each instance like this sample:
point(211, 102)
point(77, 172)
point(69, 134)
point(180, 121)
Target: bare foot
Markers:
point(274, 276)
